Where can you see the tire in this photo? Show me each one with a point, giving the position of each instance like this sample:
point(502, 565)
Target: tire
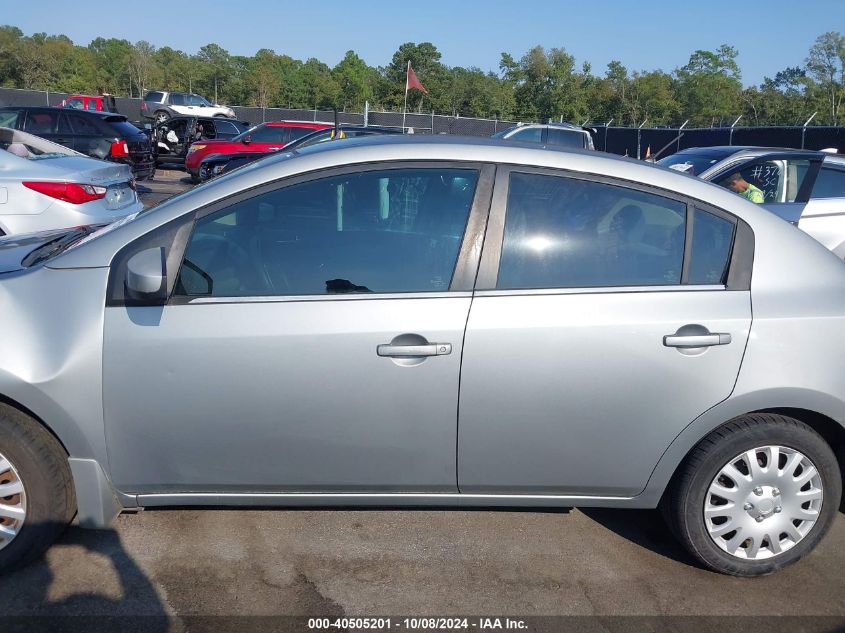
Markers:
point(765, 500)
point(161, 116)
point(39, 462)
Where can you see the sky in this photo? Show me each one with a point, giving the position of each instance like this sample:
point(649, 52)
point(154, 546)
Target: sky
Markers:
point(651, 34)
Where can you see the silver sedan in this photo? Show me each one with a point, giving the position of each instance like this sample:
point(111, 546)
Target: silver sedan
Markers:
point(431, 321)
point(45, 186)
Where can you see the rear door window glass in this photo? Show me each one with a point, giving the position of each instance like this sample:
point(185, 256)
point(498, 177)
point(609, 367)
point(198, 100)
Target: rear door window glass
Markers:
point(830, 183)
point(568, 233)
point(83, 125)
point(396, 230)
point(566, 138)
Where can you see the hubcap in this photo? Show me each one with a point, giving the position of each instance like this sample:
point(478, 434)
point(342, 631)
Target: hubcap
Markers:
point(763, 502)
point(12, 502)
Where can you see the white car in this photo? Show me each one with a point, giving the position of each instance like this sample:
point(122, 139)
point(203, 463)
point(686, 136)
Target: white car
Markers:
point(46, 186)
point(804, 187)
point(160, 106)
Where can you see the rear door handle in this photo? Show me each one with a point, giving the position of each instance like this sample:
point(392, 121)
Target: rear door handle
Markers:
point(432, 349)
point(696, 340)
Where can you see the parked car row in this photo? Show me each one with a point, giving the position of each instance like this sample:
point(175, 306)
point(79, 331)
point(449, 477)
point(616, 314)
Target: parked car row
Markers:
point(102, 135)
point(216, 164)
point(45, 186)
point(431, 321)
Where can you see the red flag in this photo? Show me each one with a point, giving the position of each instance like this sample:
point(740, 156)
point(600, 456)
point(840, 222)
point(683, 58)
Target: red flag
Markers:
point(411, 80)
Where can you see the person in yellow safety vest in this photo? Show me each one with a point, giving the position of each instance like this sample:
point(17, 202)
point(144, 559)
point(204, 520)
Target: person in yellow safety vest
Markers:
point(738, 184)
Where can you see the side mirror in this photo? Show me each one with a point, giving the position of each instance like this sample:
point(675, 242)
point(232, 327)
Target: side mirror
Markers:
point(247, 140)
point(146, 278)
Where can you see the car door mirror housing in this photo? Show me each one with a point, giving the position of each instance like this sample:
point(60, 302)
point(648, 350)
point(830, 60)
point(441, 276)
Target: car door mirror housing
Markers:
point(146, 277)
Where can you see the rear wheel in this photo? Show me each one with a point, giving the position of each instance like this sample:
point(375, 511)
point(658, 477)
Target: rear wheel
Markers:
point(161, 116)
point(37, 500)
point(756, 495)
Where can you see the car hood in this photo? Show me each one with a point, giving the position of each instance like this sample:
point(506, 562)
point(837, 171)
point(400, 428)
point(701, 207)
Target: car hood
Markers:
point(14, 248)
point(79, 169)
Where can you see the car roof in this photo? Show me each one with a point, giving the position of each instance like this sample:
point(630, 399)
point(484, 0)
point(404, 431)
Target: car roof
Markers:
point(108, 116)
point(723, 151)
point(458, 152)
point(293, 123)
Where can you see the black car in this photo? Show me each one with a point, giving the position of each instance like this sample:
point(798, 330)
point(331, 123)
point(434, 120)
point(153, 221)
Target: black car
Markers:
point(216, 164)
point(174, 136)
point(97, 134)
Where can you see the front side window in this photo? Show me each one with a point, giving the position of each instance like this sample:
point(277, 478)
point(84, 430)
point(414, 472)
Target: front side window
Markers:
point(396, 230)
point(268, 134)
point(774, 180)
point(226, 127)
point(568, 233)
point(39, 123)
point(529, 135)
point(75, 103)
point(196, 100)
point(566, 138)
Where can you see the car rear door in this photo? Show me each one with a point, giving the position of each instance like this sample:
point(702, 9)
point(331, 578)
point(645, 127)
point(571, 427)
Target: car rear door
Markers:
point(607, 317)
point(785, 178)
point(312, 342)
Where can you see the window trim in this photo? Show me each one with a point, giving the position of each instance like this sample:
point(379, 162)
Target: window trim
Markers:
point(466, 265)
point(740, 261)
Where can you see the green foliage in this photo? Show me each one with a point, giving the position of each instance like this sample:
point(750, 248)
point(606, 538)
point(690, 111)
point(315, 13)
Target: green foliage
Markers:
point(539, 85)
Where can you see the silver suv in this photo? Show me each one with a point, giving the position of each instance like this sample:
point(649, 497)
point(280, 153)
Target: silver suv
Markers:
point(552, 135)
point(160, 106)
point(431, 321)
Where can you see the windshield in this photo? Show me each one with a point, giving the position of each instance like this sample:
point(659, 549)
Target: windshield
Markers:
point(249, 132)
point(502, 134)
point(693, 164)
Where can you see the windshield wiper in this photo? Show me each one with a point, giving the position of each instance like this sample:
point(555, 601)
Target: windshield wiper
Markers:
point(57, 246)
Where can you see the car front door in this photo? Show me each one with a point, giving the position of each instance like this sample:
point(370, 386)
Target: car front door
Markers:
point(312, 340)
point(593, 340)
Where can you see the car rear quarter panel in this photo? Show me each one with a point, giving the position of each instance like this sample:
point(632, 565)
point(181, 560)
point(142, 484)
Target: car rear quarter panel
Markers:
point(795, 357)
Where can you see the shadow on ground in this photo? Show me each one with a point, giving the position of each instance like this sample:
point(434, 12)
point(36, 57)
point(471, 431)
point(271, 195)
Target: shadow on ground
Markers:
point(33, 599)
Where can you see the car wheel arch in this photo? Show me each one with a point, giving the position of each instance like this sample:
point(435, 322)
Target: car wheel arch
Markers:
point(821, 412)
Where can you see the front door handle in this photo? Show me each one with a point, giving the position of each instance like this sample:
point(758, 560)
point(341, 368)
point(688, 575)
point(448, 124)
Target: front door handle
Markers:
point(432, 349)
point(696, 340)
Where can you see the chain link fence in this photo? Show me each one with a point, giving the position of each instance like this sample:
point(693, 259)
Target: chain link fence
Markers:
point(634, 142)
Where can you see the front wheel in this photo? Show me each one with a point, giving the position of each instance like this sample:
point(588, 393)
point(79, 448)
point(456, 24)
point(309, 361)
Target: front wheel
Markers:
point(755, 495)
point(37, 499)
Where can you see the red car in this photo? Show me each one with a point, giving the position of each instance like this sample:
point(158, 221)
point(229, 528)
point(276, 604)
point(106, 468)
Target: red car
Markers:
point(103, 103)
point(265, 137)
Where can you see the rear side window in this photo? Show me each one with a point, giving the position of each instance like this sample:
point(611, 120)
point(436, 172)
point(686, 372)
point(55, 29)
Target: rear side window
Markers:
point(712, 242)
point(177, 99)
point(294, 133)
point(567, 233)
point(830, 183)
point(39, 123)
point(123, 129)
point(92, 104)
point(84, 126)
point(396, 230)
point(154, 96)
point(566, 138)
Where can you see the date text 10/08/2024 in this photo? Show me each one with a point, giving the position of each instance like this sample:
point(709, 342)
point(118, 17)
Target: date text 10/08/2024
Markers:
point(417, 624)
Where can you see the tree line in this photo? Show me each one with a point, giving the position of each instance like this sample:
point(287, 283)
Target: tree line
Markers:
point(538, 86)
